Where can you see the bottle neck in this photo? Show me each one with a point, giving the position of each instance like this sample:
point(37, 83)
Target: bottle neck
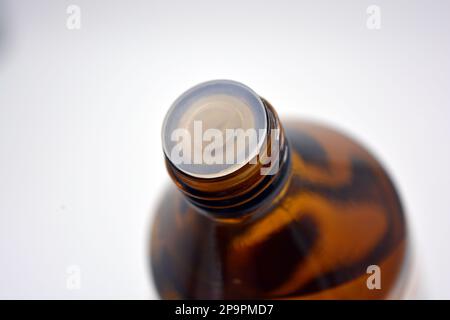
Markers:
point(248, 189)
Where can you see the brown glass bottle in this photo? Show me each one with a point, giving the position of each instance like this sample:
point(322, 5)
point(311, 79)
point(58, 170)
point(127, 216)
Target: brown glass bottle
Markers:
point(310, 231)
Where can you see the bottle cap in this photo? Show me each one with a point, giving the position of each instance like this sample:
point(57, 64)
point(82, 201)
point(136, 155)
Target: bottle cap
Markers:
point(214, 128)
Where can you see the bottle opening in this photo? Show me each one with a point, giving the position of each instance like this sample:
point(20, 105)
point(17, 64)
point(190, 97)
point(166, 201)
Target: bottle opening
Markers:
point(214, 129)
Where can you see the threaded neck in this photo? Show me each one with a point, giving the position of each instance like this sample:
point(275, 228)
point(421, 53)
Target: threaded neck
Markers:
point(226, 188)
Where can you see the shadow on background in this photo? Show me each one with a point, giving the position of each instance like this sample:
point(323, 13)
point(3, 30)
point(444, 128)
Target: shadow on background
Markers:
point(3, 32)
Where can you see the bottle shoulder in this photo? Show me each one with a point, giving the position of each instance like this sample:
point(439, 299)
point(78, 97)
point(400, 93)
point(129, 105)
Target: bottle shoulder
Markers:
point(338, 215)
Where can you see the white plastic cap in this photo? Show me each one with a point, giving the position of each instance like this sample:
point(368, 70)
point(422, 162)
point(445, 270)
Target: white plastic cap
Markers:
point(193, 125)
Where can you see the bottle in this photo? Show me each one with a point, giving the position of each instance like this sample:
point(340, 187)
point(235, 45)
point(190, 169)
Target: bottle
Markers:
point(302, 211)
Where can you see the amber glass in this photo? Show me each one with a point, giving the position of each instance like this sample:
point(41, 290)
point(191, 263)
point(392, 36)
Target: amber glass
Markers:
point(308, 232)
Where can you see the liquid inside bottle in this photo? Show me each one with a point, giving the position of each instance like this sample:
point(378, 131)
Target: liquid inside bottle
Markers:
point(302, 211)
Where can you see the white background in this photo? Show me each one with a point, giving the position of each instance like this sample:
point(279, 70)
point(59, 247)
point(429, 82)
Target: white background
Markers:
point(81, 166)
